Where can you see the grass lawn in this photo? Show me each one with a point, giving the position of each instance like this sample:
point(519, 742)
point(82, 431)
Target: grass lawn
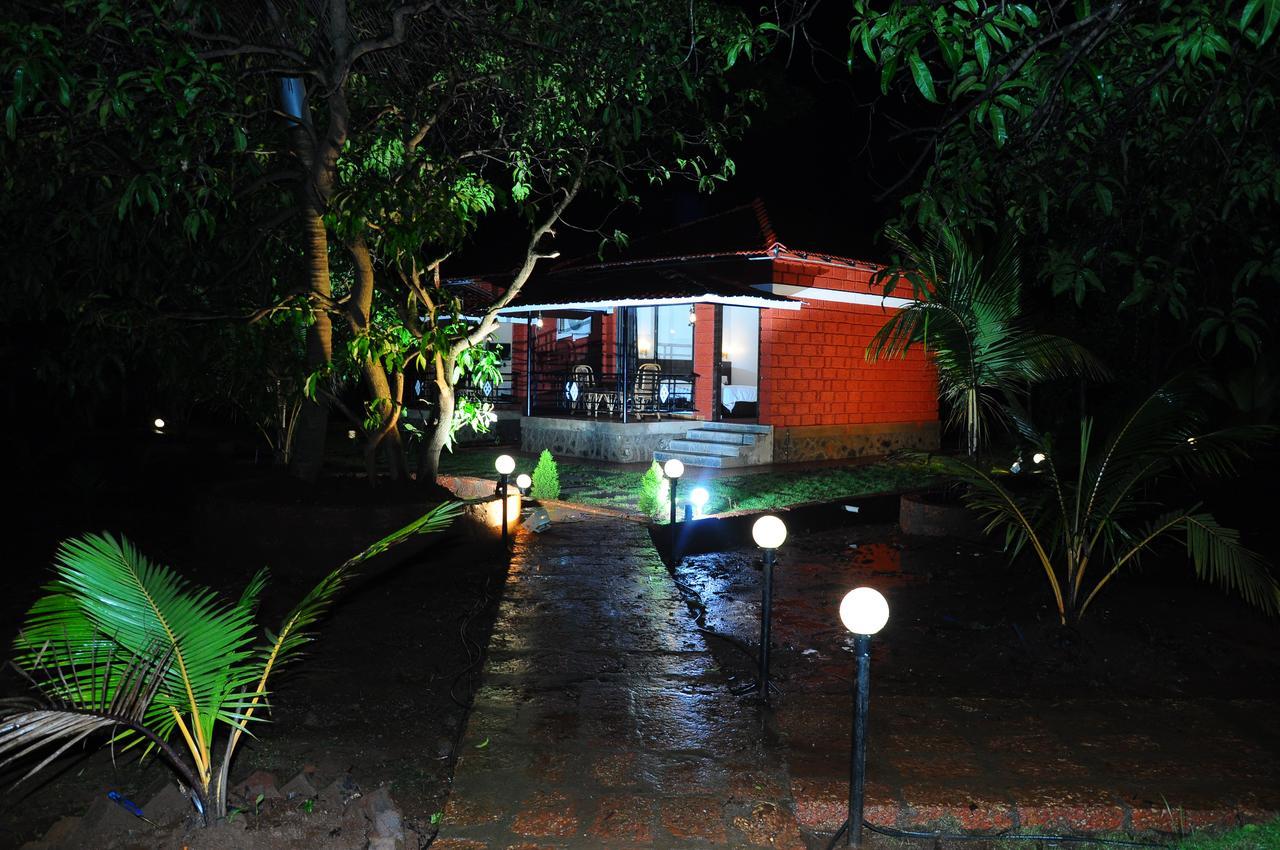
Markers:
point(1264, 836)
point(610, 486)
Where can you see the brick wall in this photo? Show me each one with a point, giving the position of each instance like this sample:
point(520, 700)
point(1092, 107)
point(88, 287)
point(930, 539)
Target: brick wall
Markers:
point(813, 367)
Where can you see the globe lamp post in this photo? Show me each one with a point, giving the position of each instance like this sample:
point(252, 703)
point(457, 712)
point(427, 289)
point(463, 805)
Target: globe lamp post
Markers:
point(673, 469)
point(864, 612)
point(505, 464)
point(769, 533)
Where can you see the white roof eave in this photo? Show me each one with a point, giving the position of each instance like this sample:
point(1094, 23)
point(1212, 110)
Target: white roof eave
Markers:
point(609, 304)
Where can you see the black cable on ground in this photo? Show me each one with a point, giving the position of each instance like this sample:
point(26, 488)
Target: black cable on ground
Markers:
point(890, 832)
point(693, 600)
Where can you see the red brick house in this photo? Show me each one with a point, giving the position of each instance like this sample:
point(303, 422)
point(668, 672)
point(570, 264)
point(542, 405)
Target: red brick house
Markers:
point(715, 343)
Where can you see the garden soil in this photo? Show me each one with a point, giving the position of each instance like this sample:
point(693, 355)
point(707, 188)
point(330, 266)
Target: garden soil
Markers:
point(372, 712)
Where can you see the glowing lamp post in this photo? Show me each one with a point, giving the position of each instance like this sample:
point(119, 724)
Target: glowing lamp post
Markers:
point(864, 612)
point(505, 464)
point(673, 469)
point(769, 532)
point(523, 483)
point(699, 497)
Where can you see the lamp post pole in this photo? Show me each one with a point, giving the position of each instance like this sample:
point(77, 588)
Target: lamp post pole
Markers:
point(858, 752)
point(864, 612)
point(766, 623)
point(769, 532)
point(502, 494)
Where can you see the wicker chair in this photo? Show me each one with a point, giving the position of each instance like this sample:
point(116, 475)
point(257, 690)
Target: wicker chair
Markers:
point(645, 397)
point(585, 378)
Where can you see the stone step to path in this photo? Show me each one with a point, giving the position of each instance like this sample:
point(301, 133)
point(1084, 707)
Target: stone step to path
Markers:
point(602, 719)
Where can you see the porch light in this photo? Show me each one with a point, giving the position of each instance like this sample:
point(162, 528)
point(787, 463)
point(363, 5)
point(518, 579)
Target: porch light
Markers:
point(538, 321)
point(1038, 457)
point(699, 496)
point(864, 612)
point(351, 434)
point(693, 315)
point(769, 532)
point(673, 468)
point(524, 482)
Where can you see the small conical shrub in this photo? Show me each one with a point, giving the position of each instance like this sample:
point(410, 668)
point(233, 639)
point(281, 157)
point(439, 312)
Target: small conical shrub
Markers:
point(546, 478)
point(655, 492)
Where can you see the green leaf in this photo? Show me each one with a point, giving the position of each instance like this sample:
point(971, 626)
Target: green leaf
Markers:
point(982, 48)
point(1103, 194)
point(996, 116)
point(924, 80)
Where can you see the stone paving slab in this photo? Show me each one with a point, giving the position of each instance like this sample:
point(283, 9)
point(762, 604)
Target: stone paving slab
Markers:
point(988, 765)
point(603, 720)
point(983, 764)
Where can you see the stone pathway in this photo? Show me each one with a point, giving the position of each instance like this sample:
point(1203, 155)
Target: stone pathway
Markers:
point(603, 719)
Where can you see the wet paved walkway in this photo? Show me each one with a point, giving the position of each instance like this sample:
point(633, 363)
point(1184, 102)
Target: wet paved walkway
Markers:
point(603, 719)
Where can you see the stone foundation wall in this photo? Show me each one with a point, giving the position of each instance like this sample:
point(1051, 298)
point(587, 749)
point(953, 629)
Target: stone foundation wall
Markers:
point(634, 442)
point(816, 442)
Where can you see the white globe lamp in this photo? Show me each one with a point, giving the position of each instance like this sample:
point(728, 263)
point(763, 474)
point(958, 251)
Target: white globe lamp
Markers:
point(769, 532)
point(864, 611)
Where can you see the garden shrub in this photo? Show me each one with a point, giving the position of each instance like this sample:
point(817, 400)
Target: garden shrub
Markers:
point(546, 478)
point(654, 492)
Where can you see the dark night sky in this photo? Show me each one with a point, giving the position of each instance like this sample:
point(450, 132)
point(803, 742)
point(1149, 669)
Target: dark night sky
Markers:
point(807, 155)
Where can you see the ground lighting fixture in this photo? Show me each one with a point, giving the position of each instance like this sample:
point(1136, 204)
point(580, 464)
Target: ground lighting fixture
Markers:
point(505, 464)
point(524, 482)
point(699, 497)
point(769, 532)
point(673, 469)
point(864, 612)
point(159, 424)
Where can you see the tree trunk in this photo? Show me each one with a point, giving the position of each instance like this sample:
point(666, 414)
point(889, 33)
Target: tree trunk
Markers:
point(435, 441)
point(387, 436)
point(313, 420)
point(385, 403)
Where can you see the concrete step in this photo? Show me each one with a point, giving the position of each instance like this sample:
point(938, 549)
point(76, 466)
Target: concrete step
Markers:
point(736, 427)
point(695, 459)
point(705, 448)
point(706, 435)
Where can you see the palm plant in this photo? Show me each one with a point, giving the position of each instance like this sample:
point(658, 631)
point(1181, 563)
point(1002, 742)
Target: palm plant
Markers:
point(968, 312)
point(1095, 515)
point(121, 644)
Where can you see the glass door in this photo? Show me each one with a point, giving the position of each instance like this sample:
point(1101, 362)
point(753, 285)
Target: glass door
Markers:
point(739, 386)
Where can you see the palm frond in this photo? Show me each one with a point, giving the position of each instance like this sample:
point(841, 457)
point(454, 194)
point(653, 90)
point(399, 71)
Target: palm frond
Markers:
point(74, 700)
point(1219, 557)
point(106, 588)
